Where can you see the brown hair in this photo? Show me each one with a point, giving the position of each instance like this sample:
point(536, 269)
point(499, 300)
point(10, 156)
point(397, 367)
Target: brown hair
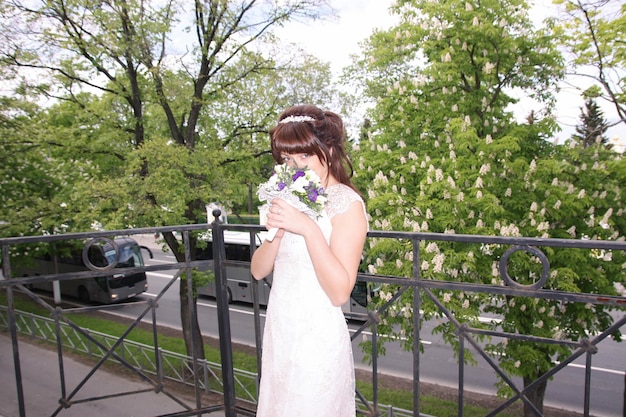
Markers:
point(324, 136)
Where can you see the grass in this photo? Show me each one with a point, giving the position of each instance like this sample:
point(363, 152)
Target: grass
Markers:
point(401, 398)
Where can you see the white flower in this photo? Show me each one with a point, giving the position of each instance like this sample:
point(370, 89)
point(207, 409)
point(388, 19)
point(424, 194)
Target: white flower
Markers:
point(432, 247)
point(438, 260)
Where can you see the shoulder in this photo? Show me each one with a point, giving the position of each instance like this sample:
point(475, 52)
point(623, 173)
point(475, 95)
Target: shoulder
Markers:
point(340, 199)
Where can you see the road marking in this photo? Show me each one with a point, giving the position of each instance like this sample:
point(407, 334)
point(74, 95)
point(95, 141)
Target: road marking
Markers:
point(162, 261)
point(595, 368)
point(158, 275)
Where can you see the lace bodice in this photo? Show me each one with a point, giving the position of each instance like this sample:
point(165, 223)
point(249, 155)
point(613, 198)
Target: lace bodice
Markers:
point(340, 196)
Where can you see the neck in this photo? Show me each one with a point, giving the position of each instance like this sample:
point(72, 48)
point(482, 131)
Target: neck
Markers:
point(330, 181)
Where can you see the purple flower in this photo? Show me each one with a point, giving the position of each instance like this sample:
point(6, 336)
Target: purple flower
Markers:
point(299, 173)
point(312, 194)
point(281, 185)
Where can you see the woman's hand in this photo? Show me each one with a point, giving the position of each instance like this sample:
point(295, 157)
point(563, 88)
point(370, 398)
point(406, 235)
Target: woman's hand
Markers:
point(284, 216)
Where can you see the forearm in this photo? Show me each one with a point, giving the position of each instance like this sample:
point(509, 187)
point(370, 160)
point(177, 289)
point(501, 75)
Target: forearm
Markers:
point(262, 262)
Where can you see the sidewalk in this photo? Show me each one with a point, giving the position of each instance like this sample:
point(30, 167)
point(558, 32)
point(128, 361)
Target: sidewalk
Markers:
point(42, 389)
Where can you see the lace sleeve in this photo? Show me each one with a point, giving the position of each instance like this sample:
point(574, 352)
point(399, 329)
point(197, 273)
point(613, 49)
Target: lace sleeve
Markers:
point(339, 199)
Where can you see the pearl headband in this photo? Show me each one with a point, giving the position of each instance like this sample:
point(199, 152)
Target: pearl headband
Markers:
point(296, 119)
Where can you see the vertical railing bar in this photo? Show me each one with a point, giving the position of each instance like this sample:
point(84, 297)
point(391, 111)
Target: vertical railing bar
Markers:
point(461, 372)
point(223, 318)
point(157, 351)
point(257, 314)
point(6, 272)
point(417, 305)
point(192, 313)
point(206, 376)
point(59, 340)
point(375, 365)
point(587, 401)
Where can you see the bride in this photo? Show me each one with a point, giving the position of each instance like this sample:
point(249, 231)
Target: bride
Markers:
point(307, 364)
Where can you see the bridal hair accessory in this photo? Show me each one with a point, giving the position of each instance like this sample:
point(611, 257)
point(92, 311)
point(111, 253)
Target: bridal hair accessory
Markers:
point(296, 119)
point(300, 187)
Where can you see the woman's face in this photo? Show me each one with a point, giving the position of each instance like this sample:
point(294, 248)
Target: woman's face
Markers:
point(310, 161)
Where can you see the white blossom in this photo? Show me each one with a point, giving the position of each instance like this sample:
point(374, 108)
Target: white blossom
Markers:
point(432, 247)
point(438, 261)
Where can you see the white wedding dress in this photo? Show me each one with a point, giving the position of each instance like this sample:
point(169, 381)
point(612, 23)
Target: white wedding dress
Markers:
point(307, 364)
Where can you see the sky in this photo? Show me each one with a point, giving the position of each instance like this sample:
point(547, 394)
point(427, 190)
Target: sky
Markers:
point(334, 40)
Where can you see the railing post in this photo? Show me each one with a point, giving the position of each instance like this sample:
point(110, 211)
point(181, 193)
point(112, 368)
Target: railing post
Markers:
point(206, 376)
point(6, 274)
point(223, 317)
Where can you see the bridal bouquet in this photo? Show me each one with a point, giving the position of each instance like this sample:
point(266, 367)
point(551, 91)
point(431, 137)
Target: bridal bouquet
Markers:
point(300, 187)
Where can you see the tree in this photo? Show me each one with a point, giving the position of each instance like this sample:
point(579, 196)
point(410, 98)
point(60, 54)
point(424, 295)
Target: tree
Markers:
point(592, 125)
point(151, 135)
point(444, 154)
point(592, 32)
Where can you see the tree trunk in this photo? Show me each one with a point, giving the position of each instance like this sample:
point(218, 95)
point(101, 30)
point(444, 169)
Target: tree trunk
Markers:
point(188, 317)
point(190, 321)
point(535, 396)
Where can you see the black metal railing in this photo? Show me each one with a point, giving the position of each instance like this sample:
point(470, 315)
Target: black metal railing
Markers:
point(423, 289)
